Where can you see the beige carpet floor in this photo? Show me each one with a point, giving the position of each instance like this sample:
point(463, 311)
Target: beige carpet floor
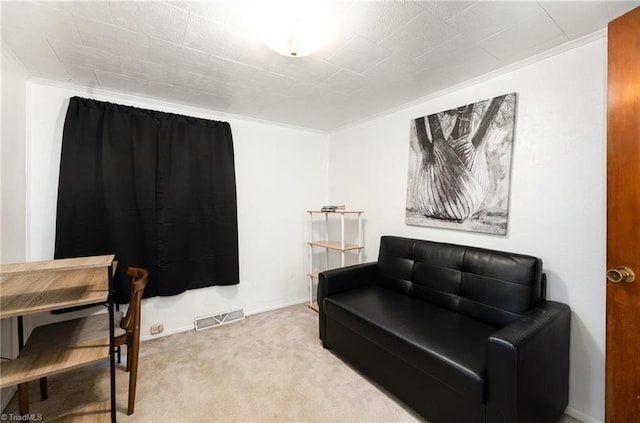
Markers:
point(269, 367)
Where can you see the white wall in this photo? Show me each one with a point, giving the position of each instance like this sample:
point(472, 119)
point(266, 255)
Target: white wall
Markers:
point(280, 171)
point(557, 201)
point(12, 185)
point(12, 214)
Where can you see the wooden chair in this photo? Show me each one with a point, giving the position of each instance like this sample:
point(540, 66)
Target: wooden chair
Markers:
point(131, 324)
point(127, 333)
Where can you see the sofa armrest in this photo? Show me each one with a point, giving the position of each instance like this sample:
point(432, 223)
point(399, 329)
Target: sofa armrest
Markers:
point(528, 367)
point(331, 282)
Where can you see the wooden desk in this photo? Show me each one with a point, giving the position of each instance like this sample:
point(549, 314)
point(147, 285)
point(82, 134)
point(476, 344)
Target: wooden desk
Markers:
point(34, 287)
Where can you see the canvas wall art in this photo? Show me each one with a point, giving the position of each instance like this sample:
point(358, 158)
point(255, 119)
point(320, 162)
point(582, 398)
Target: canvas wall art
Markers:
point(459, 167)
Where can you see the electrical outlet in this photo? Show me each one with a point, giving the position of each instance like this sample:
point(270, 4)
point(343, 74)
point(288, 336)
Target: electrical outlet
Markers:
point(156, 329)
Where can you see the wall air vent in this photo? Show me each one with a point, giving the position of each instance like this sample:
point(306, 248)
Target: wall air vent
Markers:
point(212, 320)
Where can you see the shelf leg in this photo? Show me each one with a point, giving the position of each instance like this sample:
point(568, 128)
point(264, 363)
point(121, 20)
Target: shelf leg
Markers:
point(310, 273)
point(360, 237)
point(326, 227)
point(342, 242)
point(310, 228)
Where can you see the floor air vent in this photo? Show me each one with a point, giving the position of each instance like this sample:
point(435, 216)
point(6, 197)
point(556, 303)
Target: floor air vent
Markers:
point(213, 320)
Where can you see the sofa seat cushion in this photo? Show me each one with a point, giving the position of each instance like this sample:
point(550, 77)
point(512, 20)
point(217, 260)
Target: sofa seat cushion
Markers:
point(447, 345)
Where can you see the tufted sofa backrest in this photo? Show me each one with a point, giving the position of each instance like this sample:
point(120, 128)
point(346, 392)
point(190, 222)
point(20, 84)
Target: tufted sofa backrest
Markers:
point(493, 286)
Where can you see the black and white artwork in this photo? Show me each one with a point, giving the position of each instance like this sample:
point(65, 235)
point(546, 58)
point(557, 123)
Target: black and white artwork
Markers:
point(459, 167)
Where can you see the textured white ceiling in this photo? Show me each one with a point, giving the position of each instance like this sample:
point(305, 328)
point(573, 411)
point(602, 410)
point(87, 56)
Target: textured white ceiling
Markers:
point(382, 54)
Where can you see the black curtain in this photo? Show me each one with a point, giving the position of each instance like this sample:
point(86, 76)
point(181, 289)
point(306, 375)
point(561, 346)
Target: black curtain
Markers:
point(157, 189)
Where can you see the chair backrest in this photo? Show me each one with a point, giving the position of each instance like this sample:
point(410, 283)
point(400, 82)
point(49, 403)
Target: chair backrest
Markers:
point(131, 321)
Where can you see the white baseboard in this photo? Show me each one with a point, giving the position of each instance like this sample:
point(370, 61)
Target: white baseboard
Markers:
point(272, 307)
point(275, 306)
point(577, 414)
point(166, 333)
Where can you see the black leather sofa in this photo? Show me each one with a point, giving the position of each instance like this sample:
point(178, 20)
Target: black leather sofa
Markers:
point(460, 334)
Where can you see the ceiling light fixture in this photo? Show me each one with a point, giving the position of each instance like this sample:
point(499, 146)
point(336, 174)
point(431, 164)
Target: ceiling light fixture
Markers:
point(295, 28)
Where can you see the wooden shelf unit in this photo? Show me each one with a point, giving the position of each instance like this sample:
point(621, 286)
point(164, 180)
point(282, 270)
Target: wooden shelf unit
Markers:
point(340, 245)
point(34, 287)
point(34, 292)
point(59, 347)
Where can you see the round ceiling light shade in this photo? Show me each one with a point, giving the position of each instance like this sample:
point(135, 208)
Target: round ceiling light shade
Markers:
point(295, 28)
point(294, 43)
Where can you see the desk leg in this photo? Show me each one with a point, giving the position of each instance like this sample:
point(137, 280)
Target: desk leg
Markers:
point(112, 352)
point(112, 362)
point(20, 333)
point(44, 391)
point(23, 398)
